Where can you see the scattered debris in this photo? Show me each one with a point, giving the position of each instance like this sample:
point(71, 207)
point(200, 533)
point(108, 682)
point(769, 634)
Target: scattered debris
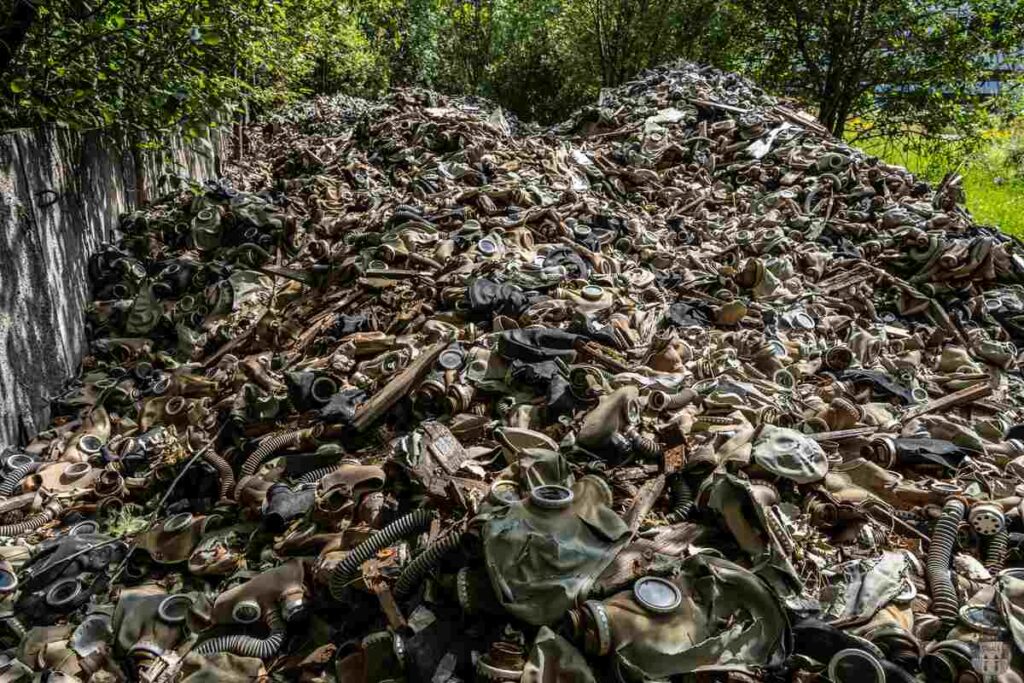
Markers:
point(681, 385)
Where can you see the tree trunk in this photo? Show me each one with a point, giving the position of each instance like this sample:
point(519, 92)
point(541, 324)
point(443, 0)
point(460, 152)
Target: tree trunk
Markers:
point(139, 162)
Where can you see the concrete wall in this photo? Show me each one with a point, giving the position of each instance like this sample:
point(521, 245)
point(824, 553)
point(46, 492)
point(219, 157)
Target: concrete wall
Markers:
point(61, 193)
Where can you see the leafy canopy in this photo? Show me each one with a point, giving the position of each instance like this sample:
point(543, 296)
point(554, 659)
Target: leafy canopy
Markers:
point(868, 67)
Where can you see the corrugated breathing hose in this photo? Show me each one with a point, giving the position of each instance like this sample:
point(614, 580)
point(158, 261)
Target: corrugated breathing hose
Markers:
point(945, 601)
point(680, 498)
point(272, 444)
point(423, 563)
point(996, 549)
point(317, 475)
point(49, 513)
point(249, 646)
point(224, 471)
point(645, 447)
point(412, 523)
point(14, 477)
point(14, 623)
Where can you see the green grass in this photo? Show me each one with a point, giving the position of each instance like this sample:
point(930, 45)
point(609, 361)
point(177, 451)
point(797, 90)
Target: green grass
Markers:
point(993, 176)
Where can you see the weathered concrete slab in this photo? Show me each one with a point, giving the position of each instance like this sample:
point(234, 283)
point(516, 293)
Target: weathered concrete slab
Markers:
point(61, 193)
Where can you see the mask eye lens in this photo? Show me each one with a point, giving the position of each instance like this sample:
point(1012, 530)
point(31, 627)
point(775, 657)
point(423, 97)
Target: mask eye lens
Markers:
point(784, 443)
point(174, 405)
point(18, 460)
point(657, 595)
point(174, 608)
point(87, 527)
point(76, 471)
point(63, 592)
point(8, 581)
point(89, 444)
point(632, 411)
point(335, 500)
point(505, 492)
point(551, 496)
point(178, 522)
point(246, 612)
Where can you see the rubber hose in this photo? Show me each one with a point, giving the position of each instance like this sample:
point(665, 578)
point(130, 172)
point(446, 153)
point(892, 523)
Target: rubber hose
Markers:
point(32, 523)
point(15, 476)
point(945, 601)
point(996, 549)
point(646, 448)
point(272, 444)
point(423, 563)
point(681, 499)
point(14, 623)
point(414, 522)
point(812, 194)
point(316, 475)
point(248, 646)
point(224, 471)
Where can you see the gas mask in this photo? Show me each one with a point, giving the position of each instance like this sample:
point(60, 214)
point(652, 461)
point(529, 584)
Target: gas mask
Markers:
point(221, 552)
point(95, 432)
point(343, 490)
point(65, 572)
point(605, 427)
point(150, 624)
point(221, 667)
point(174, 538)
point(737, 504)
point(858, 480)
point(788, 453)
point(60, 477)
point(284, 504)
point(858, 589)
point(544, 552)
point(712, 615)
point(852, 659)
point(308, 390)
point(378, 658)
point(52, 649)
point(672, 357)
point(281, 588)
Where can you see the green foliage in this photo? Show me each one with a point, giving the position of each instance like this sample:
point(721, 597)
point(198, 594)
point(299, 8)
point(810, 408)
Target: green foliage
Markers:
point(993, 175)
point(153, 65)
point(542, 58)
point(907, 67)
point(506, 50)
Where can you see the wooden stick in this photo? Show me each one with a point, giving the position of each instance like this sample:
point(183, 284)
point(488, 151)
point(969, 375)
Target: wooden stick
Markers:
point(397, 387)
point(968, 395)
point(843, 434)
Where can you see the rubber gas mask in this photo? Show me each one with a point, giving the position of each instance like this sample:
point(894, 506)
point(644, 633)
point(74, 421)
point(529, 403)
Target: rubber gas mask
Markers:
point(712, 615)
point(283, 587)
point(65, 572)
point(544, 552)
point(149, 623)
